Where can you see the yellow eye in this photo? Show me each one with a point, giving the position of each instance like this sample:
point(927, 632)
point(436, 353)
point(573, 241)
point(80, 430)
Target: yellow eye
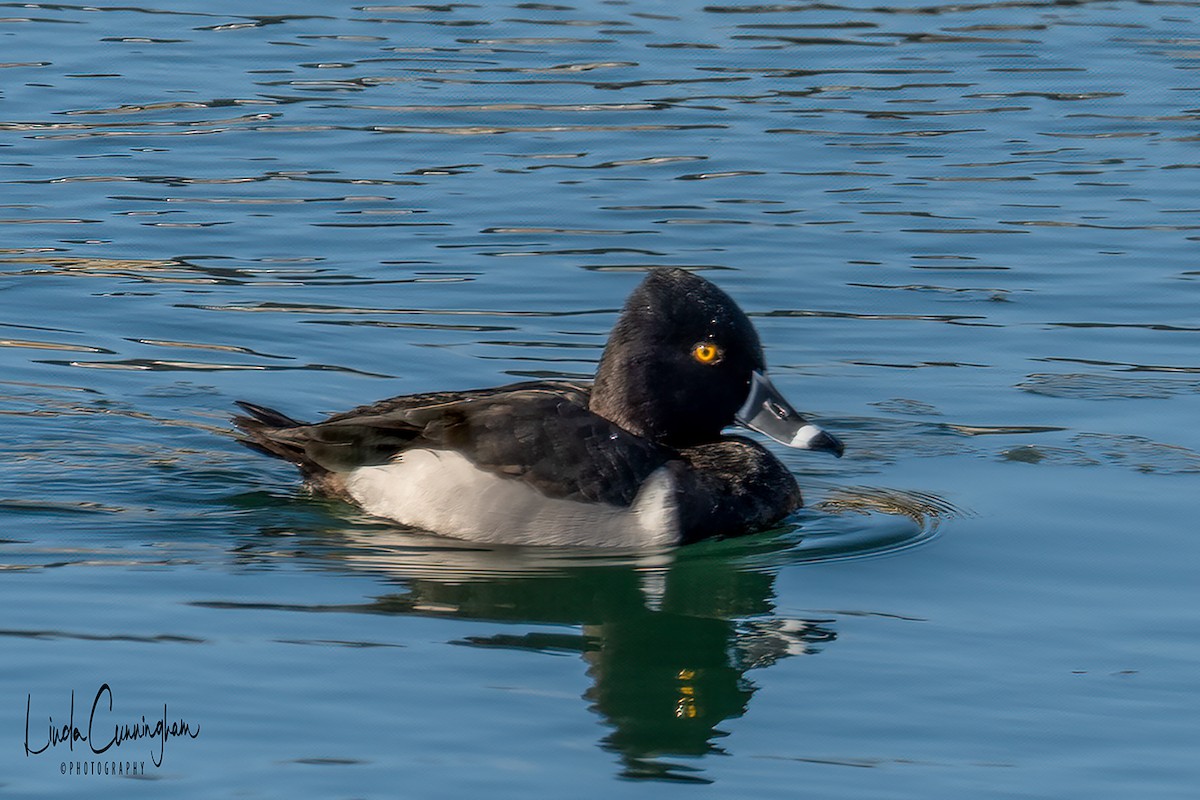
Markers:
point(707, 353)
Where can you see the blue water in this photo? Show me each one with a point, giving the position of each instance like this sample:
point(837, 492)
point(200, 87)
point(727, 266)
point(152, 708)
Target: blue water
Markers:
point(966, 233)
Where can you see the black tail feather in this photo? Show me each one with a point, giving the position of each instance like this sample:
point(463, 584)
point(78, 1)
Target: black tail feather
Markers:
point(257, 430)
point(265, 416)
point(331, 446)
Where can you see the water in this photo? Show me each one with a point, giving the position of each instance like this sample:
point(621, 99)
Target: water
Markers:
point(967, 234)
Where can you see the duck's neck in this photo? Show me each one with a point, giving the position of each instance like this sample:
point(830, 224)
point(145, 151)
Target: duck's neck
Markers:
point(621, 394)
point(644, 399)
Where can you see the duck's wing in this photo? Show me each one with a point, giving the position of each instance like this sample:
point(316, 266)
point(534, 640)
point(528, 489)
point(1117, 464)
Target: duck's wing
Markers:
point(579, 392)
point(541, 433)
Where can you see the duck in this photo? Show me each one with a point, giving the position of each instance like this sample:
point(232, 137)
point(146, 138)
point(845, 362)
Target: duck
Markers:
point(637, 458)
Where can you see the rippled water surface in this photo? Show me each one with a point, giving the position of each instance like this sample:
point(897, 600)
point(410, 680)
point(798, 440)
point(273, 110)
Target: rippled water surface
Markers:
point(968, 237)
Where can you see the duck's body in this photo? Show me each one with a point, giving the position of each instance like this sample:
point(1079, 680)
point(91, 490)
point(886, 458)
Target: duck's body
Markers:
point(637, 459)
point(529, 463)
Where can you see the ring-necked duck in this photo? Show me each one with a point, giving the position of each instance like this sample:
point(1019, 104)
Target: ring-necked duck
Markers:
point(635, 459)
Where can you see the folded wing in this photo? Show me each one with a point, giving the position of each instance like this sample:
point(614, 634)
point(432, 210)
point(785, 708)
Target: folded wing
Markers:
point(541, 433)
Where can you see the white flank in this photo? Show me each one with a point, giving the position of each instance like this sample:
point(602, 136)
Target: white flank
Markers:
point(443, 492)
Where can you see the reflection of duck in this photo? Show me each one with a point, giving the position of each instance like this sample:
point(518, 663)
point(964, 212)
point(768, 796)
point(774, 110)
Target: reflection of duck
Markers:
point(668, 639)
point(636, 459)
point(666, 679)
point(667, 655)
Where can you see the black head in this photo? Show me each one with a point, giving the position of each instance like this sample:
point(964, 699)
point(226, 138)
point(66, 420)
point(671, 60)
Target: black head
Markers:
point(683, 362)
point(679, 361)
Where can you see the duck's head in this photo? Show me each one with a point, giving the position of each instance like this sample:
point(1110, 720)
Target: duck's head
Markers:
point(684, 362)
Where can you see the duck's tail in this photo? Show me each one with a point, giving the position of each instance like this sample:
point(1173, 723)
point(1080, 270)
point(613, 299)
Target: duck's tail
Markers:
point(259, 432)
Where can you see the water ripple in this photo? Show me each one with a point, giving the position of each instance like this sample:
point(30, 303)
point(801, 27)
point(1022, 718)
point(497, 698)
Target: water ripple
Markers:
point(982, 213)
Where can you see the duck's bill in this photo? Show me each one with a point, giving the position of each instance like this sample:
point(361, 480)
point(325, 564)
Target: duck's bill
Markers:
point(767, 412)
